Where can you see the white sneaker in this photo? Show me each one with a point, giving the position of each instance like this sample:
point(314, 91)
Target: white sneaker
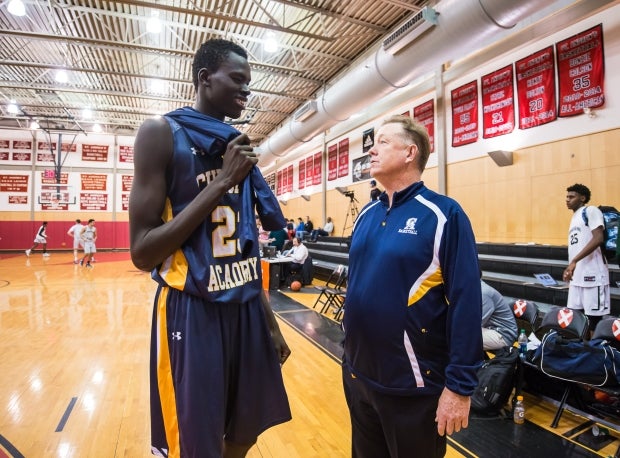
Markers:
point(46, 255)
point(27, 252)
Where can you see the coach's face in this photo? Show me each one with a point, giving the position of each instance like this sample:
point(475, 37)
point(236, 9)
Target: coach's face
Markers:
point(391, 154)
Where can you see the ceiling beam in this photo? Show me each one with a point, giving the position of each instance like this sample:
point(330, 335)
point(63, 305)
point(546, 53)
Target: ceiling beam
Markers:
point(340, 17)
point(224, 17)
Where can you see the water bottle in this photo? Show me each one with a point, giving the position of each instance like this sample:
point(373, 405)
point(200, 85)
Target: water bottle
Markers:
point(519, 411)
point(522, 341)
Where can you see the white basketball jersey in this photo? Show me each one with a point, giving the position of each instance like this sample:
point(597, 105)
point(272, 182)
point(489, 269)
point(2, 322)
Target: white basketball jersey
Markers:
point(591, 270)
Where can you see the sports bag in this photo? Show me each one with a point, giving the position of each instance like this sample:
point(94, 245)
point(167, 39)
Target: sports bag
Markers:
point(611, 216)
point(593, 362)
point(496, 379)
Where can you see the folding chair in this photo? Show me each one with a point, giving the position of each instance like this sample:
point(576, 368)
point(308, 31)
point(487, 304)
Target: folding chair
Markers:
point(336, 297)
point(569, 323)
point(334, 279)
point(608, 329)
point(526, 315)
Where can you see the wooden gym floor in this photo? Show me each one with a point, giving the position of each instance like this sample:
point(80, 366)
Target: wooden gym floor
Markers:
point(74, 373)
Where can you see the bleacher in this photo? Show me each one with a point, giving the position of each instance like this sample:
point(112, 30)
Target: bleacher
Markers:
point(508, 267)
point(327, 253)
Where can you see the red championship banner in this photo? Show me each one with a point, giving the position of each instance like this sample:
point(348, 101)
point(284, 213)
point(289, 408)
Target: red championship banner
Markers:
point(317, 175)
point(4, 144)
point(581, 72)
point(14, 183)
point(125, 153)
point(343, 158)
point(18, 200)
point(125, 201)
point(93, 182)
point(21, 156)
point(126, 182)
point(465, 114)
point(332, 162)
point(279, 183)
point(425, 115)
point(22, 145)
point(289, 178)
point(498, 113)
point(95, 153)
point(285, 180)
point(93, 201)
point(65, 147)
point(309, 170)
point(302, 174)
point(536, 89)
point(46, 156)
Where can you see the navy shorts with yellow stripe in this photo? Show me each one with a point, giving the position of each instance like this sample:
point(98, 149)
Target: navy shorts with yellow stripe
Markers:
point(215, 375)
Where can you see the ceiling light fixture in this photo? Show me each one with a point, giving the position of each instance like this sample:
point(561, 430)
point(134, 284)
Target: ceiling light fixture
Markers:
point(16, 8)
point(12, 107)
point(270, 44)
point(153, 25)
point(97, 128)
point(34, 125)
point(61, 76)
point(87, 113)
point(158, 86)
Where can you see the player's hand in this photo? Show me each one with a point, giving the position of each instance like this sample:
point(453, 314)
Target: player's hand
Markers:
point(239, 158)
point(282, 349)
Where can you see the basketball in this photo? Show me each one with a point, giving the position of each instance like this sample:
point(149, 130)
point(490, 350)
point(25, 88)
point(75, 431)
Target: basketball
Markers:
point(296, 285)
point(63, 244)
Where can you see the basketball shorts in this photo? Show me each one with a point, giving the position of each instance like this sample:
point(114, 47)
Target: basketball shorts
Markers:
point(90, 248)
point(593, 300)
point(215, 375)
point(40, 239)
point(77, 244)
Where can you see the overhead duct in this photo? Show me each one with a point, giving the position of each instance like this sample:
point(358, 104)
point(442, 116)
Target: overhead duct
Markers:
point(463, 26)
point(411, 30)
point(305, 111)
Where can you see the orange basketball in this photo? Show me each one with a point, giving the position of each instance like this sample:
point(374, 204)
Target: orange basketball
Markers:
point(63, 244)
point(296, 285)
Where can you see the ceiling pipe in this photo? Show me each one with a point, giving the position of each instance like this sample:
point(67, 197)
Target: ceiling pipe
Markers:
point(463, 26)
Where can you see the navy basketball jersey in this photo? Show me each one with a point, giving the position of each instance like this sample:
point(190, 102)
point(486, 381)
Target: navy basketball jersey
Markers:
point(210, 263)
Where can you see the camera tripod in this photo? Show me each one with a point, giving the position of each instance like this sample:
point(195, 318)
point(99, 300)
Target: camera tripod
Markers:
point(352, 211)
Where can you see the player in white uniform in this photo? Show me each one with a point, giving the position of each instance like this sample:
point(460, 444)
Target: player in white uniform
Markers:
point(89, 236)
point(587, 270)
point(75, 231)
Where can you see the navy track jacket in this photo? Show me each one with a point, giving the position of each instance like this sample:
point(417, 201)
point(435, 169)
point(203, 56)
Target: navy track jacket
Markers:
point(413, 306)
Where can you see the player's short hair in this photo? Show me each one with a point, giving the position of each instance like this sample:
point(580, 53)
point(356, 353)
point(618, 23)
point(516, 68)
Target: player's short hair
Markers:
point(582, 190)
point(211, 54)
point(91, 221)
